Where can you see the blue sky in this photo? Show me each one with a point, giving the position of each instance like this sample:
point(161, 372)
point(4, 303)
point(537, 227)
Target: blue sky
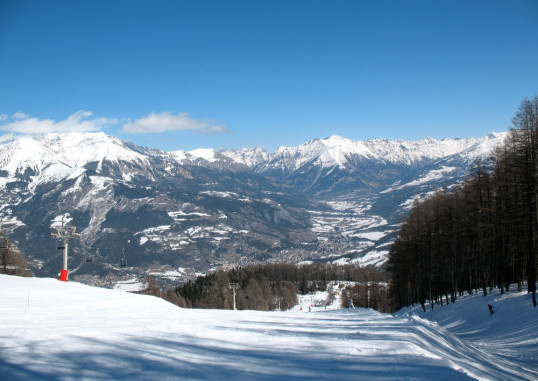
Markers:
point(199, 74)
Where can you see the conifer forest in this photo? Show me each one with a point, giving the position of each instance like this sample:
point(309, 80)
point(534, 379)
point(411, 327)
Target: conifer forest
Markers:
point(478, 235)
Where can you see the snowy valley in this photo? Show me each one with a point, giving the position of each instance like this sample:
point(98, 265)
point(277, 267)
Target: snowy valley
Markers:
point(181, 213)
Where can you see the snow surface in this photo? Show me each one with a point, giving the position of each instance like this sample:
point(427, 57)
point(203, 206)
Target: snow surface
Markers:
point(247, 156)
point(52, 330)
point(433, 175)
point(207, 154)
point(371, 258)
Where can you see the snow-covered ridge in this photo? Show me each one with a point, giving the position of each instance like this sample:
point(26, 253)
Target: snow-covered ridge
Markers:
point(208, 154)
point(202, 156)
point(18, 152)
point(337, 150)
point(248, 156)
point(66, 150)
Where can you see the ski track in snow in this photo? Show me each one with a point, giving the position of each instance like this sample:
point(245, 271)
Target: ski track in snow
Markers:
point(51, 330)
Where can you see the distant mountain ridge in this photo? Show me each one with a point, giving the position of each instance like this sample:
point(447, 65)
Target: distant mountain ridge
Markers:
point(330, 199)
point(318, 165)
point(335, 149)
point(340, 153)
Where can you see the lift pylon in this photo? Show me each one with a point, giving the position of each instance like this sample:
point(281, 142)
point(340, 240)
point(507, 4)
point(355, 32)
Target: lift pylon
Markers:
point(62, 234)
point(233, 286)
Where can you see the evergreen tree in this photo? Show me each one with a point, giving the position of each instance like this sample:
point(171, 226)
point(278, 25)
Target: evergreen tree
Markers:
point(482, 234)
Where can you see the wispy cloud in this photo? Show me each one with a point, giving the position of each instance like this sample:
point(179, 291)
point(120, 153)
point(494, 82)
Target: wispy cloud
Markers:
point(20, 115)
point(80, 121)
point(166, 121)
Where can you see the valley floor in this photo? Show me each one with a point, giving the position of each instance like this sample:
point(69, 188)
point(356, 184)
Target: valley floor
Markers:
point(50, 330)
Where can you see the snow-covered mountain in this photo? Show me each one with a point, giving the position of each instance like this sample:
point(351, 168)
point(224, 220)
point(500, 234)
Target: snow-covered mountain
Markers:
point(142, 202)
point(338, 166)
point(337, 150)
point(330, 199)
point(249, 157)
point(38, 152)
point(308, 166)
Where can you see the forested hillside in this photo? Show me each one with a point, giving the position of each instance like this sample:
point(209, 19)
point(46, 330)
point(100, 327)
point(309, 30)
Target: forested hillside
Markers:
point(275, 286)
point(479, 235)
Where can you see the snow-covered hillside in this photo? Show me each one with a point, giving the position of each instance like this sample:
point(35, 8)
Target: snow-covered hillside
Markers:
point(51, 330)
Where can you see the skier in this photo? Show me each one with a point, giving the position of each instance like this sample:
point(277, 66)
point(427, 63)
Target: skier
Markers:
point(491, 311)
point(351, 306)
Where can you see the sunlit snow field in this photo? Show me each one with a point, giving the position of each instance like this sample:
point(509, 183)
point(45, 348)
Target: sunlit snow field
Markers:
point(51, 330)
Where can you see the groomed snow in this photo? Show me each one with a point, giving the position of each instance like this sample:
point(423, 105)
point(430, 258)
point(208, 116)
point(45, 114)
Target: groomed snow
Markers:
point(51, 330)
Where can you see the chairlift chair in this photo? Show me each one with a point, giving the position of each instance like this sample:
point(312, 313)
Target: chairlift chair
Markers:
point(3, 243)
point(89, 258)
point(60, 244)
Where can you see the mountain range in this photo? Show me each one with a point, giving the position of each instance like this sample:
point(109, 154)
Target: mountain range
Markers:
point(176, 214)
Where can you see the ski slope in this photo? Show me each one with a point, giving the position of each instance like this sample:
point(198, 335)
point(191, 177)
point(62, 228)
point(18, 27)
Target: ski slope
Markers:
point(51, 330)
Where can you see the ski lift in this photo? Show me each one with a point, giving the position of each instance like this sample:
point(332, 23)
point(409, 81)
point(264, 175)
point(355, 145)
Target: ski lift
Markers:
point(60, 244)
point(3, 243)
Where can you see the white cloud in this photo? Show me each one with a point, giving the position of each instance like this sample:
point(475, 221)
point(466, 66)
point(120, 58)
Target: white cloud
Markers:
point(20, 115)
point(78, 122)
point(166, 121)
point(82, 121)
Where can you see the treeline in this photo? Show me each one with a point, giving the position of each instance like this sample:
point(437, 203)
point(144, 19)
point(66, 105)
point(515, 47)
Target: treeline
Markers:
point(269, 286)
point(369, 294)
point(483, 233)
point(12, 261)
